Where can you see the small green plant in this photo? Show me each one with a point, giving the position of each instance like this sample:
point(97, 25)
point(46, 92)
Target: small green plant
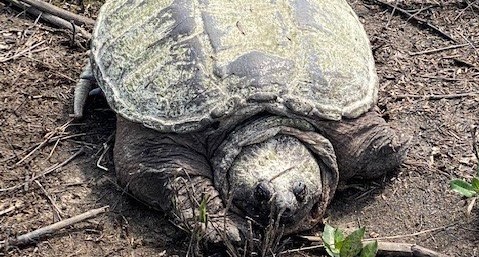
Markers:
point(337, 245)
point(465, 188)
point(203, 215)
point(469, 189)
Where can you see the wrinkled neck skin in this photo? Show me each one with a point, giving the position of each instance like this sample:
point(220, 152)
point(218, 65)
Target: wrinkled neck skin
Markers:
point(276, 167)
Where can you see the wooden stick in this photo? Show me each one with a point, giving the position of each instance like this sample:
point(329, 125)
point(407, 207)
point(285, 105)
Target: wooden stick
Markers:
point(64, 14)
point(386, 248)
point(318, 239)
point(31, 237)
point(24, 51)
point(438, 49)
point(11, 208)
point(416, 19)
point(438, 97)
point(56, 210)
point(57, 21)
point(401, 249)
point(449, 79)
point(475, 145)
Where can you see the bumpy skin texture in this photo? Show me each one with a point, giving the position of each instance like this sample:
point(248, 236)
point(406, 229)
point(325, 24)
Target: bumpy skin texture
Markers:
point(178, 66)
point(170, 172)
point(173, 172)
point(365, 147)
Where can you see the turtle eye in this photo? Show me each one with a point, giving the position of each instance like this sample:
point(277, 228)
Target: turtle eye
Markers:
point(299, 190)
point(263, 192)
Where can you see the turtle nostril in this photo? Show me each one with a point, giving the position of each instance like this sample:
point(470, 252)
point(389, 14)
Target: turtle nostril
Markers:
point(263, 191)
point(287, 212)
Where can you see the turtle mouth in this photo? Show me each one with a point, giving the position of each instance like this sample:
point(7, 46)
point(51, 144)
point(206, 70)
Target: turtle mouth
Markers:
point(262, 149)
point(267, 215)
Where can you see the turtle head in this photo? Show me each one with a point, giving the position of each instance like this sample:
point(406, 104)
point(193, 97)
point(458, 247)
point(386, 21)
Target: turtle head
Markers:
point(276, 178)
point(277, 168)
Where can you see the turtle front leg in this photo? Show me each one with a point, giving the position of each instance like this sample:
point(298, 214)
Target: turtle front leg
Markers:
point(366, 147)
point(170, 172)
point(82, 90)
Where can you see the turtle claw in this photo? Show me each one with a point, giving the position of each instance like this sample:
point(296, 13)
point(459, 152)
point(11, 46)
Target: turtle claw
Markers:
point(218, 234)
point(225, 230)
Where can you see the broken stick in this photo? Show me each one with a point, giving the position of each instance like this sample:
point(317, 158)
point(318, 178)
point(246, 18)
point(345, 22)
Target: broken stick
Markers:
point(31, 237)
point(55, 20)
point(64, 14)
point(438, 49)
point(384, 248)
point(437, 97)
point(402, 249)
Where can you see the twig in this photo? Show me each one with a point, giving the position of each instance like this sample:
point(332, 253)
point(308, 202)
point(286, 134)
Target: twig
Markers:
point(475, 145)
point(31, 237)
point(11, 208)
point(386, 248)
point(106, 147)
point(53, 139)
point(48, 137)
point(469, 5)
point(464, 63)
point(53, 150)
point(46, 172)
point(25, 51)
point(416, 233)
point(438, 97)
point(449, 79)
point(402, 249)
point(57, 21)
point(319, 239)
point(438, 49)
point(55, 207)
point(475, 4)
point(390, 17)
point(64, 14)
point(416, 19)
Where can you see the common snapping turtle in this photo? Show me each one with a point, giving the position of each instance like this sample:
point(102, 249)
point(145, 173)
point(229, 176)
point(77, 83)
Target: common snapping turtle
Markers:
point(268, 104)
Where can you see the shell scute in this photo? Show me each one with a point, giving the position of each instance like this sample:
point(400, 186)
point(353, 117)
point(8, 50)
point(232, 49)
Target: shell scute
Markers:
point(177, 65)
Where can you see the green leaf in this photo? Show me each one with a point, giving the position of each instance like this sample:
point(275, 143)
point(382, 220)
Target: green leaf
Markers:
point(462, 187)
point(352, 244)
point(369, 250)
point(475, 184)
point(331, 252)
point(328, 235)
point(329, 240)
point(338, 239)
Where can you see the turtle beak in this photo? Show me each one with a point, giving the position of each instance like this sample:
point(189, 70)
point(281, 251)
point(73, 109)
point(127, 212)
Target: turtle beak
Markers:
point(286, 207)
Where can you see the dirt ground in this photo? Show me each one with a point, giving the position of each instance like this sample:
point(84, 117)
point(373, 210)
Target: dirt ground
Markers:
point(39, 65)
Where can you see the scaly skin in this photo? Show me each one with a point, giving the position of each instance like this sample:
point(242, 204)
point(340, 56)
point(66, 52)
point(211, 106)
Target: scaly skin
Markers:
point(260, 164)
point(170, 172)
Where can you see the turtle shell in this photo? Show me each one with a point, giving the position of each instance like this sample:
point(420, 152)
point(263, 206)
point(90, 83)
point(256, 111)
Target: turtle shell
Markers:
point(180, 65)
